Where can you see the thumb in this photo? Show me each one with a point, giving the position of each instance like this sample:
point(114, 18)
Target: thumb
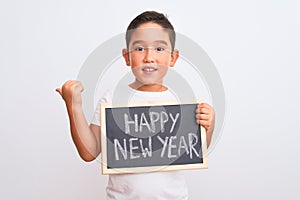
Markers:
point(59, 91)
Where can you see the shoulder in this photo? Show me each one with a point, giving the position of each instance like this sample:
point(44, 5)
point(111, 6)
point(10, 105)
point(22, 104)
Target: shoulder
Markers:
point(106, 97)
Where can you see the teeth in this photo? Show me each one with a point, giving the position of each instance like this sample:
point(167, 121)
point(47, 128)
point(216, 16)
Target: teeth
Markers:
point(149, 69)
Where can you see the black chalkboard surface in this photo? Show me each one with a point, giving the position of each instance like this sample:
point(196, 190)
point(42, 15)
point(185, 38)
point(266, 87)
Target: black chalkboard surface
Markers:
point(148, 137)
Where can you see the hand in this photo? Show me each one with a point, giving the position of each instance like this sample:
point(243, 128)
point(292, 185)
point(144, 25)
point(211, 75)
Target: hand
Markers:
point(71, 92)
point(205, 116)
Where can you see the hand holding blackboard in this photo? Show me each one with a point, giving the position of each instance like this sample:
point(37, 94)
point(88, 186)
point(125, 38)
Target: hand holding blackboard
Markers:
point(205, 116)
point(151, 137)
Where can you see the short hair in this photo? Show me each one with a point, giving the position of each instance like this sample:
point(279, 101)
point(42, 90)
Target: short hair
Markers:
point(155, 17)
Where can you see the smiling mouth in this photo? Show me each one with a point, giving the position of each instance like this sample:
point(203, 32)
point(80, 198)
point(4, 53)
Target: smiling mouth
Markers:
point(149, 69)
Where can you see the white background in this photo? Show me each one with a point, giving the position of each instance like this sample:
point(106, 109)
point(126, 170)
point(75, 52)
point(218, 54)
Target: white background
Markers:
point(255, 46)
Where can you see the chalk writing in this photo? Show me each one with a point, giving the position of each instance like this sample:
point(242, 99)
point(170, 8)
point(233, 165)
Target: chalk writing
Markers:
point(156, 119)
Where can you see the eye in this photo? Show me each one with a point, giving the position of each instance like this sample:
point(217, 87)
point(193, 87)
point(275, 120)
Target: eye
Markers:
point(159, 49)
point(139, 49)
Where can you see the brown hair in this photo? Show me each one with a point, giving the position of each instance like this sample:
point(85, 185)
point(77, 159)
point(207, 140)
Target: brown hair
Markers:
point(155, 17)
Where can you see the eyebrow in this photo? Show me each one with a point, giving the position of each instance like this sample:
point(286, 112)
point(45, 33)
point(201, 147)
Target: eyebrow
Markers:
point(142, 41)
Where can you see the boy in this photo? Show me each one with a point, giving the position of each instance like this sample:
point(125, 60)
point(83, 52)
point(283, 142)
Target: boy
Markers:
point(150, 40)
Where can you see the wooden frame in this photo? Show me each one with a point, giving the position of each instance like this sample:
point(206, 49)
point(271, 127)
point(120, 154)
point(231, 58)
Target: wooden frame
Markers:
point(123, 170)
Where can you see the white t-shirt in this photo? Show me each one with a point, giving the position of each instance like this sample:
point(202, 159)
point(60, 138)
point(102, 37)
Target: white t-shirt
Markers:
point(154, 185)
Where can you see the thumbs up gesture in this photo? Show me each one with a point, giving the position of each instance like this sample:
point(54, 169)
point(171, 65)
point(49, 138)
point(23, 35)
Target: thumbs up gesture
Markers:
point(71, 92)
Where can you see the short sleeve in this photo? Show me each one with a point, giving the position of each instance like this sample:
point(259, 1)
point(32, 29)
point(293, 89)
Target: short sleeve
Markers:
point(105, 99)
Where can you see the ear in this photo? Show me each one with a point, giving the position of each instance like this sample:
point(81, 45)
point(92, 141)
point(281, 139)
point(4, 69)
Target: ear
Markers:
point(125, 55)
point(174, 57)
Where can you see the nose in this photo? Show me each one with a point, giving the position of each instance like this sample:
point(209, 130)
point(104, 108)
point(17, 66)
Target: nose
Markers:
point(149, 55)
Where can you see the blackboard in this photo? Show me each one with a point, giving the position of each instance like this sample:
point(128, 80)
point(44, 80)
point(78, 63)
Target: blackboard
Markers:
point(146, 137)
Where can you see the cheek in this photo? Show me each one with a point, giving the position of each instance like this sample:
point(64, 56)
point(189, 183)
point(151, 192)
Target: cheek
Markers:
point(164, 72)
point(166, 60)
point(134, 60)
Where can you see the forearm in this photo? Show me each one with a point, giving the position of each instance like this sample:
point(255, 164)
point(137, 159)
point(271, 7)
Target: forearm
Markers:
point(209, 133)
point(83, 137)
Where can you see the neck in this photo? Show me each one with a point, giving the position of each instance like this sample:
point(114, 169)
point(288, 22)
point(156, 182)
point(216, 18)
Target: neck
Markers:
point(154, 87)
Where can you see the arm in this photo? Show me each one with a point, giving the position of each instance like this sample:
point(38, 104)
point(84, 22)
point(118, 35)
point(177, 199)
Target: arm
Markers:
point(86, 138)
point(205, 116)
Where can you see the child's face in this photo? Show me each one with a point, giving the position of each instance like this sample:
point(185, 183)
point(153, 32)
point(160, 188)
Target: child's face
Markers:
point(149, 54)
